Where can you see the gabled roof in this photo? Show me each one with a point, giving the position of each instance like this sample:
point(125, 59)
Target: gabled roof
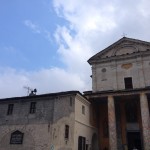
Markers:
point(34, 97)
point(124, 39)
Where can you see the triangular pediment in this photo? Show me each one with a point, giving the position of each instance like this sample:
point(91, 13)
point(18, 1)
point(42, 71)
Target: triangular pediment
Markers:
point(121, 47)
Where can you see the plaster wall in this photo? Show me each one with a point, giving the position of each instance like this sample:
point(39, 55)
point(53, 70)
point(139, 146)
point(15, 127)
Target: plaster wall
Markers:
point(85, 131)
point(83, 125)
point(117, 70)
point(58, 139)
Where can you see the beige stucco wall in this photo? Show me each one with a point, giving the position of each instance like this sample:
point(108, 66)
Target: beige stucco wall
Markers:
point(126, 52)
point(84, 131)
point(115, 74)
point(58, 133)
point(82, 122)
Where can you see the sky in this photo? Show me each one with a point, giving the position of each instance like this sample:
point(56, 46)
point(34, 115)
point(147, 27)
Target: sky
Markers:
point(45, 44)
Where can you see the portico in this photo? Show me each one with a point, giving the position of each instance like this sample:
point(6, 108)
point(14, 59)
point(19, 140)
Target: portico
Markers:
point(123, 116)
point(121, 91)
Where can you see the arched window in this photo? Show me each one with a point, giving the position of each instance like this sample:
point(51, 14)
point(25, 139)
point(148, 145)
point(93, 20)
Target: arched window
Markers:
point(16, 137)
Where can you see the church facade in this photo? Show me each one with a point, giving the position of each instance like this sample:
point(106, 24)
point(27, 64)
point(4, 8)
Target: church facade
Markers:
point(115, 115)
point(121, 92)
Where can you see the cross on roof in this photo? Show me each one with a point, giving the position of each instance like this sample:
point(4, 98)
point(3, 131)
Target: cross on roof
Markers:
point(124, 34)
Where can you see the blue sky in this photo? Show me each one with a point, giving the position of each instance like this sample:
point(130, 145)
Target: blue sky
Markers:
point(45, 44)
point(27, 29)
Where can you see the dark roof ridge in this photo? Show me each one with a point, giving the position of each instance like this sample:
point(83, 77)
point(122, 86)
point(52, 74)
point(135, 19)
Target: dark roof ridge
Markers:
point(44, 95)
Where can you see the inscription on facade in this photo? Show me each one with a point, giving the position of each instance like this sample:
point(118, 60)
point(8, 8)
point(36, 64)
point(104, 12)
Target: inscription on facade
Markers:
point(126, 66)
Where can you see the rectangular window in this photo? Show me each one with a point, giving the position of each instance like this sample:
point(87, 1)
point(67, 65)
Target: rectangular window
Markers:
point(128, 83)
point(32, 107)
point(83, 110)
point(81, 143)
point(149, 105)
point(131, 112)
point(10, 109)
point(70, 101)
point(66, 132)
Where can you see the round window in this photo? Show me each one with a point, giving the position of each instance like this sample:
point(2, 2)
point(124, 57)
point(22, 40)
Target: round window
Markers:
point(104, 70)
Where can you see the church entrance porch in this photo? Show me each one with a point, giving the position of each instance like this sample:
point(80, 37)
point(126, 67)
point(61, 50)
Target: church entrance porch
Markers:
point(134, 140)
point(123, 119)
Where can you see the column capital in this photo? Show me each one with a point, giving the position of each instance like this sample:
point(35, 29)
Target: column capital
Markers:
point(110, 97)
point(142, 93)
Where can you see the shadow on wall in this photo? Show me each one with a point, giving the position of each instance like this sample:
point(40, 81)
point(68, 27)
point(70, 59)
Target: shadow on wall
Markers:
point(94, 144)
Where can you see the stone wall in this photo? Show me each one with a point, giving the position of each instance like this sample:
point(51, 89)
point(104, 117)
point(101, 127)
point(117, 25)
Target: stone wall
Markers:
point(36, 137)
point(42, 130)
point(21, 115)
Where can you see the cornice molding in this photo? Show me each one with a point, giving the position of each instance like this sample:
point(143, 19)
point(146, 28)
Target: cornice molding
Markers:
point(121, 57)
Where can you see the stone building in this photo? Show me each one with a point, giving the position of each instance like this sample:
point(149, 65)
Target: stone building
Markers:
point(56, 121)
point(121, 92)
point(113, 116)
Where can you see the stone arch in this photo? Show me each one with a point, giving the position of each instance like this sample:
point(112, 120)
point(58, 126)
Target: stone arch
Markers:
point(94, 143)
point(28, 142)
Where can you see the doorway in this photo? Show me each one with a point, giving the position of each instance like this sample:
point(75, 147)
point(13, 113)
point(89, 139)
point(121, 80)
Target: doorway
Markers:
point(134, 140)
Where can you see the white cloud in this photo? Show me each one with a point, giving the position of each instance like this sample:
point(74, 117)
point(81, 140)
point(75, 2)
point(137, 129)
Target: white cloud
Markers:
point(37, 29)
point(144, 8)
point(88, 22)
point(12, 82)
point(86, 16)
point(100, 23)
point(32, 26)
point(91, 26)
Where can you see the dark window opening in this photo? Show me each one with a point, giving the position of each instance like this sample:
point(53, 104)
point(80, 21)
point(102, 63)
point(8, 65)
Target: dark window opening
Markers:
point(128, 83)
point(81, 143)
point(131, 112)
point(16, 137)
point(10, 109)
point(105, 128)
point(134, 140)
point(66, 131)
point(83, 110)
point(32, 107)
point(87, 146)
point(149, 105)
point(70, 101)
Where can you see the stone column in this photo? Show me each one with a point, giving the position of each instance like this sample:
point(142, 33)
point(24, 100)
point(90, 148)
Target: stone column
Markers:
point(145, 121)
point(112, 124)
